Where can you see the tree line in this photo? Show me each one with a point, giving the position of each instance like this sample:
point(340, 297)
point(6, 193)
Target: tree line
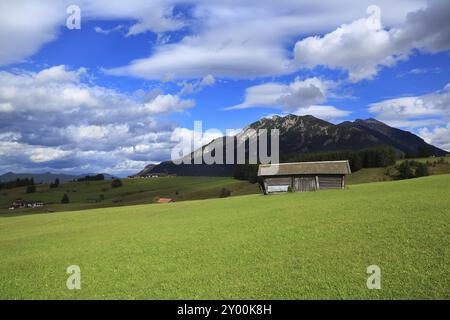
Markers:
point(97, 177)
point(365, 158)
point(17, 183)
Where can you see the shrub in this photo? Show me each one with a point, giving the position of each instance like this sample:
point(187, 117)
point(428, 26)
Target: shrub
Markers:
point(55, 184)
point(410, 169)
point(225, 193)
point(422, 170)
point(31, 189)
point(405, 171)
point(65, 198)
point(116, 183)
point(97, 177)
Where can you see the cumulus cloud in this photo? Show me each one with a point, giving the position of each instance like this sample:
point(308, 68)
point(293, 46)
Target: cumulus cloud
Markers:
point(429, 113)
point(299, 93)
point(53, 118)
point(438, 136)
point(167, 104)
point(434, 106)
point(363, 46)
point(59, 89)
point(25, 26)
point(248, 41)
point(302, 97)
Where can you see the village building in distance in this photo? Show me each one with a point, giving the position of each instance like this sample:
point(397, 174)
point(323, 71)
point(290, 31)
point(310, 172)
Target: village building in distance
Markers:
point(19, 204)
point(303, 176)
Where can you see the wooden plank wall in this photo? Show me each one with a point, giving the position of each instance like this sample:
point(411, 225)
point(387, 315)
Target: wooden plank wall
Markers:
point(330, 182)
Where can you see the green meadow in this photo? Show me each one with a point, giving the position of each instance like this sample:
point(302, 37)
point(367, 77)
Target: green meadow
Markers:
point(99, 194)
point(289, 246)
point(95, 194)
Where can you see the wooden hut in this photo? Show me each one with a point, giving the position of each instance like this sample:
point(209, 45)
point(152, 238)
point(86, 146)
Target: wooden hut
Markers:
point(303, 176)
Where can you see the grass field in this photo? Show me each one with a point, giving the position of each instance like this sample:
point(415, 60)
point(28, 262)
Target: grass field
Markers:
point(86, 195)
point(290, 246)
point(133, 191)
point(367, 175)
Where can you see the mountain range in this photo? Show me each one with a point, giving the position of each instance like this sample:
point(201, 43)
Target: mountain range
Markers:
point(308, 134)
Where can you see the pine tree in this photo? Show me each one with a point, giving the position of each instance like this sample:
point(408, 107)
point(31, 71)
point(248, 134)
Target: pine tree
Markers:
point(65, 198)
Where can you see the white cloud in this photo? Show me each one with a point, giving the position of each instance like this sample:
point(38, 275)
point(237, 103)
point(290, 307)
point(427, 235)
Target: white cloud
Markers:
point(167, 104)
point(434, 106)
point(157, 19)
point(101, 30)
point(246, 41)
point(80, 134)
point(27, 25)
point(47, 154)
point(59, 89)
point(323, 112)
point(301, 97)
point(363, 46)
point(53, 120)
point(429, 114)
point(297, 94)
point(190, 87)
point(438, 136)
point(358, 47)
point(249, 40)
point(192, 59)
point(6, 107)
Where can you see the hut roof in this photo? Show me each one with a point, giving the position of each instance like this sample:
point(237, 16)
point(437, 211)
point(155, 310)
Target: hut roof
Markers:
point(164, 200)
point(318, 167)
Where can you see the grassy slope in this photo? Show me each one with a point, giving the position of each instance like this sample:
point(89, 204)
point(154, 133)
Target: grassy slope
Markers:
point(133, 191)
point(380, 174)
point(144, 191)
point(298, 245)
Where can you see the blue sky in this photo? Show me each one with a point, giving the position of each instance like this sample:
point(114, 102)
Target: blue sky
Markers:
point(115, 94)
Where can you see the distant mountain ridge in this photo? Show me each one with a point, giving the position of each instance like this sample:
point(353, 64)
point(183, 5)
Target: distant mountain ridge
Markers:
point(308, 134)
point(45, 177)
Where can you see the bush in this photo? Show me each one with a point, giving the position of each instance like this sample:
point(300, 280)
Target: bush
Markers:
point(224, 193)
point(405, 171)
point(116, 183)
point(97, 177)
point(422, 170)
point(65, 198)
point(55, 184)
point(31, 189)
point(411, 169)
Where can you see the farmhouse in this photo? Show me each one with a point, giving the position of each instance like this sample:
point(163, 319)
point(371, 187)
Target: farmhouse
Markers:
point(19, 203)
point(303, 176)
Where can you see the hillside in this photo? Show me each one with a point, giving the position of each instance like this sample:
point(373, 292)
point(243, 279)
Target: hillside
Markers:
point(45, 177)
point(95, 194)
point(307, 134)
point(88, 195)
point(290, 246)
point(38, 177)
